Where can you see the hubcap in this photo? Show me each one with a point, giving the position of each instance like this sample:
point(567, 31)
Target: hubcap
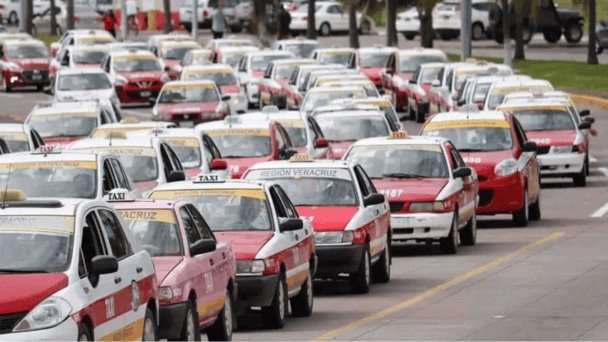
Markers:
point(228, 314)
point(149, 330)
point(367, 270)
point(190, 326)
point(281, 300)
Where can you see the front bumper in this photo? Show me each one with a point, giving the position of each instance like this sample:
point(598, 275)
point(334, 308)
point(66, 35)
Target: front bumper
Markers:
point(171, 319)
point(501, 195)
point(256, 290)
point(337, 259)
point(136, 95)
point(420, 226)
point(566, 164)
point(66, 331)
point(27, 78)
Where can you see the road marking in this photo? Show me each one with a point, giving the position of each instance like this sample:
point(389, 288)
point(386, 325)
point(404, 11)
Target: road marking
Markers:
point(12, 96)
point(601, 211)
point(603, 170)
point(592, 159)
point(333, 334)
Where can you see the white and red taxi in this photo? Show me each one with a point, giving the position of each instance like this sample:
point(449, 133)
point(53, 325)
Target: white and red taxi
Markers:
point(195, 272)
point(299, 46)
point(419, 88)
point(170, 54)
point(231, 55)
point(23, 63)
point(67, 38)
point(137, 75)
point(372, 62)
point(225, 79)
point(495, 145)
point(563, 145)
point(345, 56)
point(296, 88)
point(247, 139)
point(20, 137)
point(350, 218)
point(187, 103)
point(273, 87)
point(431, 192)
point(127, 126)
point(499, 89)
point(70, 271)
point(274, 248)
point(383, 104)
point(79, 57)
point(251, 69)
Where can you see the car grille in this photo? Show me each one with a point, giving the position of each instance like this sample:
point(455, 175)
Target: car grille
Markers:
point(136, 95)
point(8, 322)
point(396, 206)
point(28, 75)
point(182, 117)
point(485, 197)
point(146, 84)
point(543, 150)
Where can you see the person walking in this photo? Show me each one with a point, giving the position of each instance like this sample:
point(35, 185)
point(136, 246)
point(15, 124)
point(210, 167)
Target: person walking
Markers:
point(218, 22)
point(109, 22)
point(284, 22)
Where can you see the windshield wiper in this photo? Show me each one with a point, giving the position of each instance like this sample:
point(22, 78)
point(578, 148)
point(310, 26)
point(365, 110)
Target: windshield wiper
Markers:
point(403, 175)
point(470, 150)
point(11, 270)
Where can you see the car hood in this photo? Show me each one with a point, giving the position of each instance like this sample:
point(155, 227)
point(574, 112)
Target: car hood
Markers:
point(190, 107)
point(410, 189)
point(136, 76)
point(328, 218)
point(84, 95)
point(230, 89)
point(245, 244)
point(164, 265)
point(238, 166)
point(61, 141)
point(484, 162)
point(552, 138)
point(31, 63)
point(22, 292)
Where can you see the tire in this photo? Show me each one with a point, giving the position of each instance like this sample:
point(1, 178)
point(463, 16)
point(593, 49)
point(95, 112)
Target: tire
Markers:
point(552, 36)
point(522, 216)
point(236, 28)
point(468, 234)
point(446, 37)
point(421, 112)
point(150, 333)
point(449, 244)
point(188, 27)
point(360, 281)
point(84, 334)
point(573, 33)
point(39, 88)
point(411, 113)
point(381, 271)
point(478, 32)
point(191, 330)
point(580, 180)
point(302, 303)
point(587, 165)
point(409, 36)
point(5, 86)
point(365, 28)
point(222, 328)
point(535, 210)
point(325, 29)
point(273, 316)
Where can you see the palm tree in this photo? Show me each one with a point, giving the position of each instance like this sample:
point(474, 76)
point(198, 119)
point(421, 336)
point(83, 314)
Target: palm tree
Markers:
point(167, 9)
point(69, 9)
point(53, 18)
point(425, 13)
point(591, 11)
point(353, 30)
point(528, 9)
point(391, 23)
point(311, 29)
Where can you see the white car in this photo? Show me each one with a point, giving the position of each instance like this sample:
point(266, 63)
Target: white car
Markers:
point(79, 57)
point(330, 17)
point(206, 9)
point(85, 17)
point(20, 137)
point(251, 69)
point(447, 23)
point(408, 23)
point(12, 9)
point(67, 38)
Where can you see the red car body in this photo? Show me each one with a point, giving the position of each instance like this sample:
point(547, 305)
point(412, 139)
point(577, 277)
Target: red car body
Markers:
point(17, 72)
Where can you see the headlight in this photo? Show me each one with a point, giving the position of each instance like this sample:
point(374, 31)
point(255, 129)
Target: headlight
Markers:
point(562, 149)
point(165, 293)
point(506, 167)
point(234, 100)
point(426, 207)
point(120, 81)
point(322, 238)
point(249, 266)
point(51, 312)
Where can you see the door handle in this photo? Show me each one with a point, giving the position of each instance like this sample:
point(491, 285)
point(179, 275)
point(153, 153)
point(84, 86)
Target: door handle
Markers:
point(117, 280)
point(139, 269)
point(377, 211)
point(211, 262)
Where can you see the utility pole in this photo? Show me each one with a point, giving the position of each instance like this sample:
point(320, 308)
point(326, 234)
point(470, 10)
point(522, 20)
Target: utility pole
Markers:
point(69, 8)
point(195, 19)
point(123, 20)
point(22, 26)
point(465, 29)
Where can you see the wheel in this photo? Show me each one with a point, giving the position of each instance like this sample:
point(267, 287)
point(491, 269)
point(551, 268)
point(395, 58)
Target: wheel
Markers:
point(573, 33)
point(359, 282)
point(149, 333)
point(449, 244)
point(421, 112)
point(552, 36)
point(236, 28)
point(468, 234)
point(535, 210)
point(222, 328)
point(411, 112)
point(587, 165)
point(84, 334)
point(580, 179)
point(39, 88)
point(365, 28)
point(381, 271)
point(188, 27)
point(301, 304)
point(273, 316)
point(12, 18)
point(409, 36)
point(477, 32)
point(325, 29)
point(521, 217)
point(191, 330)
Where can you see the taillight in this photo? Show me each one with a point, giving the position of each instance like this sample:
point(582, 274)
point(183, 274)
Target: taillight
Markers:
point(76, 19)
point(205, 14)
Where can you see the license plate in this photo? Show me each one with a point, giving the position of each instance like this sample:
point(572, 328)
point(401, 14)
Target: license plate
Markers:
point(186, 124)
point(401, 222)
point(146, 93)
point(36, 77)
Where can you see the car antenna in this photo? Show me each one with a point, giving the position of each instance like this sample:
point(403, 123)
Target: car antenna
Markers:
point(111, 135)
point(8, 178)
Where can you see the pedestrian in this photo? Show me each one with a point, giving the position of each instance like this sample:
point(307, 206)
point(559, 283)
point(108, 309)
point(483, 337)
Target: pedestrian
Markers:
point(109, 22)
point(284, 22)
point(218, 22)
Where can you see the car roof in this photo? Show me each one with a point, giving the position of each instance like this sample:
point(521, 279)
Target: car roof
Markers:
point(178, 43)
point(494, 78)
point(335, 49)
point(336, 89)
point(208, 67)
point(352, 113)
point(66, 108)
point(462, 116)
point(519, 82)
point(317, 163)
point(146, 204)
point(68, 207)
point(293, 61)
point(93, 47)
point(18, 42)
point(242, 49)
point(410, 140)
point(227, 184)
point(243, 124)
point(133, 53)
point(270, 53)
point(64, 155)
point(531, 103)
point(130, 126)
point(126, 141)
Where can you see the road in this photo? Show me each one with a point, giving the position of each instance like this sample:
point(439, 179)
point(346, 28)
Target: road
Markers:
point(543, 282)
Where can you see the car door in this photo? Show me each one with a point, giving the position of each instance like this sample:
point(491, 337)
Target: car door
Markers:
point(467, 197)
point(527, 163)
point(376, 216)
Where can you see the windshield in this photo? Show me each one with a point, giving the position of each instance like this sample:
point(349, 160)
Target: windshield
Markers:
point(220, 78)
point(155, 230)
point(260, 63)
point(17, 142)
point(428, 75)
point(301, 50)
point(400, 161)
point(481, 91)
point(324, 98)
point(344, 58)
point(544, 120)
point(476, 139)
point(412, 63)
point(130, 65)
point(140, 168)
point(88, 57)
point(184, 95)
point(72, 179)
point(63, 125)
point(497, 95)
point(232, 60)
point(348, 128)
point(373, 60)
point(176, 53)
point(35, 244)
point(285, 71)
point(304, 9)
point(27, 51)
point(83, 82)
point(237, 146)
point(297, 135)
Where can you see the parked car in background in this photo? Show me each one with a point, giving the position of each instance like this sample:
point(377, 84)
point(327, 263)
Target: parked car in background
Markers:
point(602, 36)
point(84, 16)
point(206, 8)
point(447, 23)
point(329, 17)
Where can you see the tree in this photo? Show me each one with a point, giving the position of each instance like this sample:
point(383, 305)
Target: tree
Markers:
point(53, 18)
point(167, 9)
point(69, 9)
point(523, 8)
point(425, 13)
point(391, 23)
point(591, 12)
point(311, 29)
point(353, 30)
point(506, 31)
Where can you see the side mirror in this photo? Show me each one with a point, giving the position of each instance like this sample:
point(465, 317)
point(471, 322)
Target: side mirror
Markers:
point(225, 98)
point(290, 152)
point(530, 146)
point(381, 91)
point(218, 164)
point(291, 224)
point(462, 172)
point(461, 102)
point(435, 84)
point(203, 246)
point(412, 81)
point(589, 120)
point(104, 264)
point(584, 112)
point(176, 176)
point(390, 71)
point(584, 125)
point(373, 199)
point(321, 143)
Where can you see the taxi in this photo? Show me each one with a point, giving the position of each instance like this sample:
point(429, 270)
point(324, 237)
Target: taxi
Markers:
point(385, 105)
point(272, 86)
point(367, 85)
point(418, 90)
point(170, 54)
point(273, 246)
point(372, 62)
point(318, 97)
point(70, 271)
point(196, 57)
point(137, 75)
point(155, 40)
point(23, 63)
point(127, 126)
point(475, 89)
point(400, 69)
point(247, 139)
point(195, 273)
point(499, 89)
point(67, 38)
point(299, 46)
point(345, 56)
point(231, 41)
point(332, 75)
point(60, 123)
point(20, 137)
point(225, 79)
point(69, 174)
point(92, 39)
point(296, 89)
point(431, 192)
point(251, 70)
point(69, 85)
point(349, 217)
point(495, 145)
point(187, 103)
point(231, 55)
point(79, 57)
point(563, 145)
point(147, 161)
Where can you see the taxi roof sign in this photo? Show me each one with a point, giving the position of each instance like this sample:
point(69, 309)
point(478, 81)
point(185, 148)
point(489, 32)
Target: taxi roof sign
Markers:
point(118, 195)
point(12, 195)
point(398, 135)
point(301, 157)
point(129, 120)
point(232, 119)
point(208, 178)
point(46, 149)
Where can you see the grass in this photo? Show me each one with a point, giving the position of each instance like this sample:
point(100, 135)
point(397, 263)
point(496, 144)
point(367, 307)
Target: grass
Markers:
point(47, 39)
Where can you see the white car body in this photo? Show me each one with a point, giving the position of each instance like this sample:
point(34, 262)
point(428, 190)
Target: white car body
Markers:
point(447, 18)
point(329, 17)
point(107, 96)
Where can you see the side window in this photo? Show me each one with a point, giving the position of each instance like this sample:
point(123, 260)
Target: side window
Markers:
point(105, 119)
point(215, 152)
point(278, 204)
point(290, 211)
point(317, 128)
point(36, 140)
point(108, 177)
point(201, 224)
point(286, 138)
point(368, 183)
point(519, 132)
point(121, 177)
point(177, 165)
point(92, 244)
point(364, 189)
point(312, 128)
point(166, 160)
point(191, 231)
point(280, 140)
point(268, 71)
point(448, 81)
point(116, 237)
point(207, 150)
point(459, 162)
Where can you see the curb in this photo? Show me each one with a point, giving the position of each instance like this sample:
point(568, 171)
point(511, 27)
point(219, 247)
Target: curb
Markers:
point(594, 100)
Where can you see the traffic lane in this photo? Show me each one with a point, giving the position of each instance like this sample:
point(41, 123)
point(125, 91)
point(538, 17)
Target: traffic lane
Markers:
point(15, 106)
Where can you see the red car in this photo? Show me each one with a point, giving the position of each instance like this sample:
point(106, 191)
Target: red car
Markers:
point(137, 75)
point(496, 146)
point(171, 53)
point(23, 63)
point(372, 62)
point(273, 88)
point(188, 103)
point(419, 88)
